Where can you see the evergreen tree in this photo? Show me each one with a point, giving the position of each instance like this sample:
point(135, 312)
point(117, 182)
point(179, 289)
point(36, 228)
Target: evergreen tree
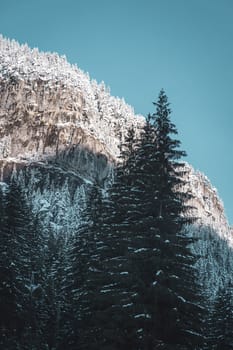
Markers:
point(81, 283)
point(175, 298)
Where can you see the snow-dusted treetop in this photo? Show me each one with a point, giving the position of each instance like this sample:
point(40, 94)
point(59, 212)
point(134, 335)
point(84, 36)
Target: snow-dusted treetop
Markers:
point(22, 62)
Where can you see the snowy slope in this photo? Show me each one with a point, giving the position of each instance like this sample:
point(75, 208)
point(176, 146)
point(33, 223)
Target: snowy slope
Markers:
point(54, 99)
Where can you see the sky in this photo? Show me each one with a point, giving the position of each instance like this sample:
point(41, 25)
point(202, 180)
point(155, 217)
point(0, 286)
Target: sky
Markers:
point(138, 47)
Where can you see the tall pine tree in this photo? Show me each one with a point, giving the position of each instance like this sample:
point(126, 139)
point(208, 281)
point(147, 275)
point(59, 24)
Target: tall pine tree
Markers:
point(145, 240)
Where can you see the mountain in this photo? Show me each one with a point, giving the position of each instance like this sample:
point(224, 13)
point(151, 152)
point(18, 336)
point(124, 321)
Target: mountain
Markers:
point(49, 108)
point(60, 131)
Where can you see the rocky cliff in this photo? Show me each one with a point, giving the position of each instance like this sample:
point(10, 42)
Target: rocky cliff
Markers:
point(49, 109)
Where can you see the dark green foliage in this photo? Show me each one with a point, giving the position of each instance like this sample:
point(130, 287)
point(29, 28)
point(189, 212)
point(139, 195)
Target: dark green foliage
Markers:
point(21, 266)
point(80, 285)
point(169, 297)
point(14, 226)
point(220, 325)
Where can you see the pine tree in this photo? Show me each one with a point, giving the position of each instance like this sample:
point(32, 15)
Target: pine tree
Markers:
point(175, 300)
point(80, 283)
point(143, 235)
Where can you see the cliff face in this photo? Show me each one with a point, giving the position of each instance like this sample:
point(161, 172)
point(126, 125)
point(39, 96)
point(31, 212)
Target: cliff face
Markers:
point(209, 208)
point(51, 110)
point(215, 240)
point(37, 127)
point(45, 101)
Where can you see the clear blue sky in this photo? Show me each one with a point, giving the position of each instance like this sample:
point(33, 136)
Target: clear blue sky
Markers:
point(140, 46)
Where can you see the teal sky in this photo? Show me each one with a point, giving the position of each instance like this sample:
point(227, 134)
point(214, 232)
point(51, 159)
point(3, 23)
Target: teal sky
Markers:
point(140, 46)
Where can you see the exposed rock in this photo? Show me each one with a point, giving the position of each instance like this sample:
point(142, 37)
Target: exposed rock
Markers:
point(45, 102)
point(209, 208)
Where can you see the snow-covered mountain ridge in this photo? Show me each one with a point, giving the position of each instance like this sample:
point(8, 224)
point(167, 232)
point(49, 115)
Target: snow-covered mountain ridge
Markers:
point(50, 109)
point(47, 100)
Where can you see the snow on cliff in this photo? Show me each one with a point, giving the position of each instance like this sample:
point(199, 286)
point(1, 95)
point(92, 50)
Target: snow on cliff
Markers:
point(43, 89)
